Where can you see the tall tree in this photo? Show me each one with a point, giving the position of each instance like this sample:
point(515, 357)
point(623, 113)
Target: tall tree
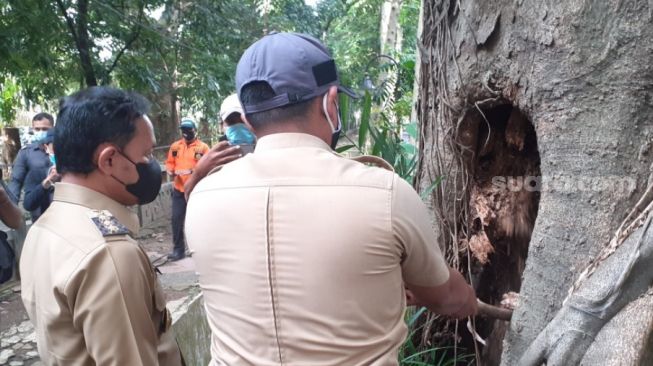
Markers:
point(390, 27)
point(51, 47)
point(554, 89)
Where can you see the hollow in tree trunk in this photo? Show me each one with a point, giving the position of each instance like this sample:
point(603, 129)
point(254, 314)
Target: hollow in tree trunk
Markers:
point(537, 116)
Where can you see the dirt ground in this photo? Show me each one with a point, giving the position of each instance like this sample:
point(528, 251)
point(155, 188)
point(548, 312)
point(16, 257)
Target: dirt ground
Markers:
point(17, 340)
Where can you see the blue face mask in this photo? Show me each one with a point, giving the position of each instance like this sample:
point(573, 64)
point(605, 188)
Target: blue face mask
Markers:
point(39, 135)
point(53, 160)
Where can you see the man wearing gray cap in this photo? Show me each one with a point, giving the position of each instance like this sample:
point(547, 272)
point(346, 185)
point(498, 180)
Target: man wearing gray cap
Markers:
point(303, 255)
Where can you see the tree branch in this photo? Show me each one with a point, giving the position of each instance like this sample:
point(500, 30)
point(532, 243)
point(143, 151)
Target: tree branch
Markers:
point(83, 44)
point(69, 22)
point(330, 20)
point(134, 36)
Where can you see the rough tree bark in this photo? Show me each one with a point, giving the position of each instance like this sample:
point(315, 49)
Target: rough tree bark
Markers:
point(580, 72)
point(390, 29)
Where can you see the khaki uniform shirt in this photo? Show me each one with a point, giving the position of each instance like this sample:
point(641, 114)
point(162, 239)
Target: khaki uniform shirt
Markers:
point(90, 289)
point(303, 256)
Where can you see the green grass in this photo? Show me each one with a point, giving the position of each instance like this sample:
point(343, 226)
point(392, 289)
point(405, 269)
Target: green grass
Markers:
point(415, 355)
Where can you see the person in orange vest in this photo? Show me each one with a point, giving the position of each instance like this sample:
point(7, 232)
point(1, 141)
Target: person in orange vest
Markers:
point(182, 158)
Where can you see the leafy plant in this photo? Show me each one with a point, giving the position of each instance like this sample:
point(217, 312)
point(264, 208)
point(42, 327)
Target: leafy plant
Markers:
point(9, 102)
point(381, 138)
point(412, 354)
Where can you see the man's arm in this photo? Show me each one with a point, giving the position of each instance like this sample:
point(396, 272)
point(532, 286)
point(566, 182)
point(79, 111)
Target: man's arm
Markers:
point(9, 213)
point(432, 282)
point(35, 194)
point(454, 298)
point(18, 172)
point(112, 302)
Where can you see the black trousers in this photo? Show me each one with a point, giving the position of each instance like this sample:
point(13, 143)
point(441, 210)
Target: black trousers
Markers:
point(178, 218)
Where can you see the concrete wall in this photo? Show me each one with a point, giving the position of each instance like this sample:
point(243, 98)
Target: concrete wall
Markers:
point(192, 329)
point(159, 211)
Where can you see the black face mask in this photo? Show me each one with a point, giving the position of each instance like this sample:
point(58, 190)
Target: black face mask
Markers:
point(188, 135)
point(148, 185)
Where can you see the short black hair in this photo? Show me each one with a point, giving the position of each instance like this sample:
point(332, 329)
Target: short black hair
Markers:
point(260, 91)
point(41, 116)
point(233, 118)
point(92, 117)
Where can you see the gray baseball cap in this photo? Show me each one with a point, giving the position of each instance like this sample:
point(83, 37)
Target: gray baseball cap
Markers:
point(297, 67)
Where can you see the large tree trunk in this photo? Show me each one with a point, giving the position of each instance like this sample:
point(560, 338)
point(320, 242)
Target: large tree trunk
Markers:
point(528, 88)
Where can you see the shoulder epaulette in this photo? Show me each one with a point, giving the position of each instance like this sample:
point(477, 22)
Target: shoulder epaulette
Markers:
point(373, 160)
point(107, 223)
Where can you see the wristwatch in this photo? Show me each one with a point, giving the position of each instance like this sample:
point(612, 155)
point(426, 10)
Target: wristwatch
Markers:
point(47, 184)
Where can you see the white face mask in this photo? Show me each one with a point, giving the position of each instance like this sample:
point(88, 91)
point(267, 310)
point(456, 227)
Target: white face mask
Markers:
point(335, 133)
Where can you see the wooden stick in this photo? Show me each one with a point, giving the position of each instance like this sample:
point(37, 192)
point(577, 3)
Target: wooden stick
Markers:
point(491, 311)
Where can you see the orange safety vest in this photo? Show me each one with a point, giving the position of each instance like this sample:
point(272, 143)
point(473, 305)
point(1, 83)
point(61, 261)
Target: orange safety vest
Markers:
point(182, 158)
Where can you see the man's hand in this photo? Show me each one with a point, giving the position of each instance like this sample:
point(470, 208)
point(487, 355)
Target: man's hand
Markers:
point(411, 299)
point(220, 154)
point(53, 176)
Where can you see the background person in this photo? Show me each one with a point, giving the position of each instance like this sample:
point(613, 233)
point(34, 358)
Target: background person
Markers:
point(32, 157)
point(322, 244)
point(94, 298)
point(38, 197)
point(236, 132)
point(182, 158)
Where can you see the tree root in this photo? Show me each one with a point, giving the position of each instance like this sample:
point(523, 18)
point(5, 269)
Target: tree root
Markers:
point(642, 209)
point(629, 272)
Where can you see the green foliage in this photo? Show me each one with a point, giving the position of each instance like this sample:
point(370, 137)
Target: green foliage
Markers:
point(384, 125)
point(9, 102)
point(385, 140)
point(293, 16)
point(408, 19)
point(34, 48)
point(387, 144)
point(351, 31)
point(412, 354)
